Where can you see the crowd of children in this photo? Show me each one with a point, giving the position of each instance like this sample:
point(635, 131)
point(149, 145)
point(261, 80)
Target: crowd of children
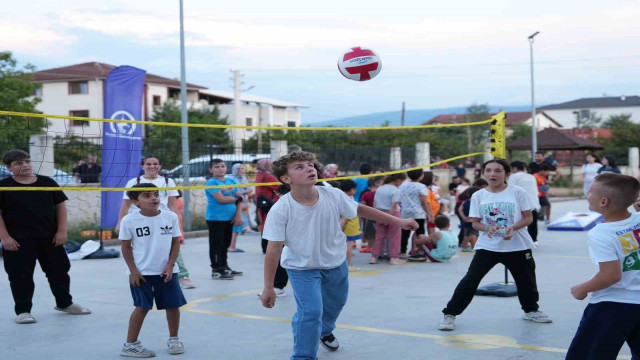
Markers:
point(309, 236)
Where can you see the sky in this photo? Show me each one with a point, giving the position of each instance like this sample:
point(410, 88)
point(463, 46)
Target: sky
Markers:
point(448, 54)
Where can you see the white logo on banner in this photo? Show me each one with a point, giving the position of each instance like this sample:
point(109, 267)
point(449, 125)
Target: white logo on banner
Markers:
point(122, 128)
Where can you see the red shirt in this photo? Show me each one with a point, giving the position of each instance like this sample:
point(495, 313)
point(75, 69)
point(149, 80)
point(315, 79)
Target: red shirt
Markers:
point(367, 198)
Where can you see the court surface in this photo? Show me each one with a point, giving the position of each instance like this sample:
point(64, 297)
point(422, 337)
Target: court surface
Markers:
point(392, 311)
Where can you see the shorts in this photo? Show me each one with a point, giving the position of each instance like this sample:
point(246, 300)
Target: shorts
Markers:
point(238, 228)
point(431, 225)
point(168, 295)
point(466, 231)
point(354, 237)
point(369, 229)
point(544, 201)
point(421, 229)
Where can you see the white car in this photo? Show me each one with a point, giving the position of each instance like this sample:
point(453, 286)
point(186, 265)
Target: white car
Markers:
point(199, 167)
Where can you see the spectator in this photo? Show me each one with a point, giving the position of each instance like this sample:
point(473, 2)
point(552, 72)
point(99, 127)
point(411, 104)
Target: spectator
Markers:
point(534, 167)
point(89, 172)
point(589, 171)
point(460, 170)
point(528, 182)
point(609, 165)
point(330, 171)
point(477, 172)
point(75, 173)
point(362, 184)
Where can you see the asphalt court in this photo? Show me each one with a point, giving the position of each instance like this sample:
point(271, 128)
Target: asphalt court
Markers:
point(392, 311)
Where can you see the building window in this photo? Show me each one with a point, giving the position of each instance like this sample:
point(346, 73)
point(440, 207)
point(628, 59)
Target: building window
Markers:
point(249, 121)
point(38, 91)
point(157, 100)
point(79, 113)
point(291, 124)
point(78, 87)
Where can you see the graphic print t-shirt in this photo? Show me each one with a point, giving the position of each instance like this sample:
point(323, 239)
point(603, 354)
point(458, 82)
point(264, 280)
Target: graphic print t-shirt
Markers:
point(502, 209)
point(619, 240)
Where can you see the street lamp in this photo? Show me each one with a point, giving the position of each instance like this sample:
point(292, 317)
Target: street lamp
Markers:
point(534, 125)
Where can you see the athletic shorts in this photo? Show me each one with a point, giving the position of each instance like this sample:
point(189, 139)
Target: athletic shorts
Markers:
point(544, 201)
point(354, 237)
point(369, 229)
point(168, 295)
point(470, 231)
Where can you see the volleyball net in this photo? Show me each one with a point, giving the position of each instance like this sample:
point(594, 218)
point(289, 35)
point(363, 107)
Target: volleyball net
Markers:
point(57, 145)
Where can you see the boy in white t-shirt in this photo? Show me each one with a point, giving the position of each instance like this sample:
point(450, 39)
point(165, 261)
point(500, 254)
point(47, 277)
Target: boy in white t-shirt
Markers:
point(613, 314)
point(307, 221)
point(150, 245)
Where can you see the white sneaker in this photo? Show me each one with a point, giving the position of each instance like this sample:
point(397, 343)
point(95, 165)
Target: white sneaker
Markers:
point(279, 293)
point(186, 283)
point(175, 346)
point(136, 350)
point(537, 316)
point(447, 323)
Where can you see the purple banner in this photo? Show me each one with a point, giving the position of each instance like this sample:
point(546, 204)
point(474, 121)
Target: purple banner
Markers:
point(121, 142)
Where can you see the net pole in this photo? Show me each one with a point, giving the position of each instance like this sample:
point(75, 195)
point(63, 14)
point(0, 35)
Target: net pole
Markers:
point(185, 130)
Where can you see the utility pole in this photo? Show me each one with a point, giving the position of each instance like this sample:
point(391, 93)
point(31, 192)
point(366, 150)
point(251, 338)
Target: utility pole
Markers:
point(534, 122)
point(236, 133)
point(402, 118)
point(185, 130)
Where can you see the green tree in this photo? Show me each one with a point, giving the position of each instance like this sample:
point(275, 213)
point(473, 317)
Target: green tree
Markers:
point(17, 91)
point(519, 130)
point(623, 136)
point(165, 141)
point(590, 122)
point(70, 148)
point(475, 136)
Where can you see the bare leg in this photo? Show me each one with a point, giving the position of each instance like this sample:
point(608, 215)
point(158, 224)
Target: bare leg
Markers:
point(173, 319)
point(349, 253)
point(547, 211)
point(135, 323)
point(234, 238)
point(473, 240)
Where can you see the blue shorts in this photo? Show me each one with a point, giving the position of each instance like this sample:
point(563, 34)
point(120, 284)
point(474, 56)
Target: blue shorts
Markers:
point(168, 295)
point(354, 237)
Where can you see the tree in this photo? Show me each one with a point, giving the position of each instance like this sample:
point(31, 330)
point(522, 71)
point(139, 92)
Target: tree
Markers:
point(623, 136)
point(590, 122)
point(476, 112)
point(519, 130)
point(165, 141)
point(17, 91)
point(70, 148)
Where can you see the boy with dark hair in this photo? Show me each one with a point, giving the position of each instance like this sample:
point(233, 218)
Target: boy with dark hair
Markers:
point(362, 184)
point(613, 314)
point(541, 179)
point(150, 244)
point(415, 205)
point(439, 246)
point(33, 226)
point(306, 220)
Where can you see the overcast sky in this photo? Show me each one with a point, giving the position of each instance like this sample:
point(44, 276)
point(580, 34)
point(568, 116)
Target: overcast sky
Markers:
point(453, 53)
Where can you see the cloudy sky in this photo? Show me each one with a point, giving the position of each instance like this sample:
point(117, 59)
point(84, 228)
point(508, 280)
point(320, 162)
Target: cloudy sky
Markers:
point(452, 53)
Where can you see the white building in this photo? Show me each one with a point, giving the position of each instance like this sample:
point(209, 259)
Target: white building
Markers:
point(570, 113)
point(78, 90)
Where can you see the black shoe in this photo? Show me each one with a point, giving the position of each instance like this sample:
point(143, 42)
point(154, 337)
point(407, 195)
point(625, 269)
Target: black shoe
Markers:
point(417, 257)
point(233, 272)
point(329, 342)
point(217, 275)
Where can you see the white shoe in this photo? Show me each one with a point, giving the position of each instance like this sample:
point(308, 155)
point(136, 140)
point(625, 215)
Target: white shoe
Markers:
point(186, 283)
point(447, 323)
point(136, 350)
point(537, 316)
point(175, 346)
point(279, 293)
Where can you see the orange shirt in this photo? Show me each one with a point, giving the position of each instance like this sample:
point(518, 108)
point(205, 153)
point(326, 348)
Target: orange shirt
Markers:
point(540, 180)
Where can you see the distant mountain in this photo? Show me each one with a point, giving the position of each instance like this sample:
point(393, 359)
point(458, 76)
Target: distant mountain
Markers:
point(412, 117)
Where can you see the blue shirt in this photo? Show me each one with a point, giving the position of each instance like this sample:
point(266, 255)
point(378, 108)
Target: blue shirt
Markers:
point(446, 247)
point(215, 210)
point(362, 185)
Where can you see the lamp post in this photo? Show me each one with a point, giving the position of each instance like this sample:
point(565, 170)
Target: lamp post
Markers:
point(185, 130)
point(534, 123)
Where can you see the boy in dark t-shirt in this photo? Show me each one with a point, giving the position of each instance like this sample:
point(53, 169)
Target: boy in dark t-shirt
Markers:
point(33, 225)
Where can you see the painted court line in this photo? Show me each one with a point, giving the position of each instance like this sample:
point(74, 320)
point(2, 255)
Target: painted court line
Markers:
point(464, 341)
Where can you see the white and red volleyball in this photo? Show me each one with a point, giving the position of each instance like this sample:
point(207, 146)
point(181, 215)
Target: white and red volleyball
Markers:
point(359, 64)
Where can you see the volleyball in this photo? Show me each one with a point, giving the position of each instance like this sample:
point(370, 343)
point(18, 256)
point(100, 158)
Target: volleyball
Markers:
point(359, 64)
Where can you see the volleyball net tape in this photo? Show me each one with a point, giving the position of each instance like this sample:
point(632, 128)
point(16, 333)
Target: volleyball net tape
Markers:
point(163, 138)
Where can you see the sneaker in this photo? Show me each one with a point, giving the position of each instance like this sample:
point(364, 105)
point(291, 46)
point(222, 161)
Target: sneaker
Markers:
point(175, 346)
point(329, 342)
point(279, 293)
point(136, 350)
point(218, 275)
point(403, 256)
point(397, 261)
point(537, 316)
point(186, 283)
point(233, 272)
point(447, 323)
point(353, 268)
point(373, 260)
point(417, 257)
point(25, 318)
point(365, 249)
point(467, 249)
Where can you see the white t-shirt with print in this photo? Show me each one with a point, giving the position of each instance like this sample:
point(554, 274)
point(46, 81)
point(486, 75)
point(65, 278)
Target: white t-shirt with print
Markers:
point(503, 209)
point(312, 235)
point(412, 193)
point(620, 241)
point(528, 183)
point(385, 196)
point(160, 182)
point(150, 239)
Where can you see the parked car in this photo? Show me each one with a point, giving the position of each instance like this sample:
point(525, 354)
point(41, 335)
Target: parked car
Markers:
point(199, 167)
point(61, 177)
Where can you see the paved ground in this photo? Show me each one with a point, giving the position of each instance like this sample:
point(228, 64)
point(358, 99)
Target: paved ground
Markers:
point(392, 311)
